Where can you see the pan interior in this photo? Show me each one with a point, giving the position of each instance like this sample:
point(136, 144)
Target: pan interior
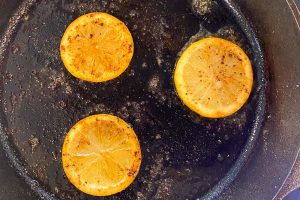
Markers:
point(184, 155)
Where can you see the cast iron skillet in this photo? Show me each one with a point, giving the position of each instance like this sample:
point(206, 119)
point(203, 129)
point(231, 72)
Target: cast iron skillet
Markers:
point(184, 156)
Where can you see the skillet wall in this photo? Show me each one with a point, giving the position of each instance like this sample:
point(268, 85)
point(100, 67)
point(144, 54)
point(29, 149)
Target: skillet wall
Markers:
point(279, 141)
point(11, 185)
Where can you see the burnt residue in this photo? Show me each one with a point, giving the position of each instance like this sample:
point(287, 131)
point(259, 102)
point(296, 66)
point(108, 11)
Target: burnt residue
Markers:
point(184, 155)
point(211, 12)
point(204, 7)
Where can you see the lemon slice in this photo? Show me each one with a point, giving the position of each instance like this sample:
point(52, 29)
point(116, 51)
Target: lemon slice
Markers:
point(101, 155)
point(96, 47)
point(213, 77)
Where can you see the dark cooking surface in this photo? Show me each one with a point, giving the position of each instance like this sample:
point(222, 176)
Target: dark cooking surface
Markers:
point(46, 101)
point(184, 155)
point(275, 157)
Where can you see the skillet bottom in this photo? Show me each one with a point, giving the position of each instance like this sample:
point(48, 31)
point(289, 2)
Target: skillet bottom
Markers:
point(184, 155)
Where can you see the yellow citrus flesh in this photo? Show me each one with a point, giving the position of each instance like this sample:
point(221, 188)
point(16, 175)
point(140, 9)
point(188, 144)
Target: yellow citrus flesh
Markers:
point(96, 47)
point(101, 155)
point(213, 77)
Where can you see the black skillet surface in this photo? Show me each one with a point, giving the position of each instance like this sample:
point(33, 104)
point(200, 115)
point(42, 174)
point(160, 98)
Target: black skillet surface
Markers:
point(184, 155)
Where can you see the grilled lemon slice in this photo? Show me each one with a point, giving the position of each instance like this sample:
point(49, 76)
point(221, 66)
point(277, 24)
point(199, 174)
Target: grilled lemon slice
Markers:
point(96, 47)
point(213, 77)
point(101, 155)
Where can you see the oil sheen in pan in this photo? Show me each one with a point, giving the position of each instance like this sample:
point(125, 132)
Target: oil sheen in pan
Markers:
point(184, 155)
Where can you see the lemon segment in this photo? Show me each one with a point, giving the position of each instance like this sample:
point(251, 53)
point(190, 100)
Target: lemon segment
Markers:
point(213, 77)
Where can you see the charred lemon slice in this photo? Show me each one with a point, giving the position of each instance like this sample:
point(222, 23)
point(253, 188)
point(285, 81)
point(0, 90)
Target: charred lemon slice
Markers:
point(96, 47)
point(213, 77)
point(101, 155)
